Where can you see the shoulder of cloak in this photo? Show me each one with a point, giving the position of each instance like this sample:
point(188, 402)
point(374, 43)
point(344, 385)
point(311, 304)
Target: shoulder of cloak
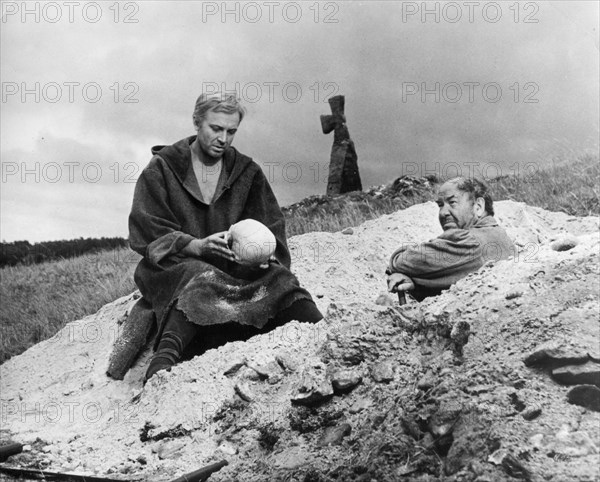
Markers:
point(177, 158)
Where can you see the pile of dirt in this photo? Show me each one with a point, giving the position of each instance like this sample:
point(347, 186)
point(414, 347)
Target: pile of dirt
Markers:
point(470, 385)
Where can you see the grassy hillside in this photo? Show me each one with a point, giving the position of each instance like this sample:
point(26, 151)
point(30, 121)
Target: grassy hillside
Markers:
point(572, 187)
point(327, 213)
point(40, 299)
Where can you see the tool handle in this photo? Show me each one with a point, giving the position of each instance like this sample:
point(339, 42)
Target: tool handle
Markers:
point(202, 474)
point(11, 449)
point(402, 297)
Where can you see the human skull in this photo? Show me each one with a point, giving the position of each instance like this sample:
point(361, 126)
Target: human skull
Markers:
point(251, 241)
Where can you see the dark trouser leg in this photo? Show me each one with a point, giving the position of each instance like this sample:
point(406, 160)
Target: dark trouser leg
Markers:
point(302, 310)
point(178, 333)
point(214, 336)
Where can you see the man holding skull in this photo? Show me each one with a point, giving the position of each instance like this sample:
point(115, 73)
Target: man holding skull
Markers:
point(185, 201)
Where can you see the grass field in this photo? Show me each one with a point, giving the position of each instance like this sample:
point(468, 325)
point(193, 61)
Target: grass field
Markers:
point(571, 187)
point(38, 300)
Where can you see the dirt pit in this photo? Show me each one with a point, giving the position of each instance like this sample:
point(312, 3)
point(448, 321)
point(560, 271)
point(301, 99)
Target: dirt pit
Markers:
point(492, 380)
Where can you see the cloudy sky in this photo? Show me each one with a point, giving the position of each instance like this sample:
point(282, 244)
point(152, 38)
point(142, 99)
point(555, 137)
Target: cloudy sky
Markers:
point(441, 87)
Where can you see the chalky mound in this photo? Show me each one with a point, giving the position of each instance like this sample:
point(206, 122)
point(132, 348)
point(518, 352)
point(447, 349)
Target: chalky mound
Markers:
point(476, 384)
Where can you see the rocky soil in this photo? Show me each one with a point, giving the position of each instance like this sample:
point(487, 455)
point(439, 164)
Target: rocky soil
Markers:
point(496, 379)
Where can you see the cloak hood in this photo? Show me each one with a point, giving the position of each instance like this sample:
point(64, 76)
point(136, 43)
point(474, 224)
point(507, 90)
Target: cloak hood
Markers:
point(178, 158)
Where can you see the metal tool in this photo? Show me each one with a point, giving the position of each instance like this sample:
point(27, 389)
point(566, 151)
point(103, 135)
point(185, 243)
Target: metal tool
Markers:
point(402, 297)
point(200, 475)
point(11, 449)
point(38, 474)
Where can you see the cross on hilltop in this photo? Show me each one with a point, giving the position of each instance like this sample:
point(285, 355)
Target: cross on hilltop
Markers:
point(343, 166)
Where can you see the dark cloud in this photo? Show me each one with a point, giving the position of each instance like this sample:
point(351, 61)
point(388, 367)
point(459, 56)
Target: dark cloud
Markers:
point(375, 53)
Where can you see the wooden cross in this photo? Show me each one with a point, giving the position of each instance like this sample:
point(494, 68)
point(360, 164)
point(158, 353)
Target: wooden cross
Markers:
point(336, 119)
point(343, 167)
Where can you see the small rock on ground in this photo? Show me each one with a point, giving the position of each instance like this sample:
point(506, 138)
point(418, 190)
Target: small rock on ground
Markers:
point(531, 412)
point(586, 374)
point(359, 405)
point(334, 435)
point(587, 396)
point(555, 354)
point(345, 380)
point(243, 390)
point(383, 372)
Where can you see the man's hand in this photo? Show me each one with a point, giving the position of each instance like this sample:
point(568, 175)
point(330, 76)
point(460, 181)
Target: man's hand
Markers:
point(272, 259)
point(215, 244)
point(264, 265)
point(399, 282)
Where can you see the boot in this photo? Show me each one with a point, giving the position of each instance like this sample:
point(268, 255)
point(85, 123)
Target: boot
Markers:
point(167, 355)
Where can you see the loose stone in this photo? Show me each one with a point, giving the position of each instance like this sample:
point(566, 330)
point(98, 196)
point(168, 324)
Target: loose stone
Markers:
point(586, 374)
point(243, 390)
point(345, 380)
point(531, 412)
point(383, 372)
point(334, 435)
point(587, 396)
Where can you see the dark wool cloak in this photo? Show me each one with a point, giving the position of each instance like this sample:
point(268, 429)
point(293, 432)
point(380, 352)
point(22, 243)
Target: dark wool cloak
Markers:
point(168, 212)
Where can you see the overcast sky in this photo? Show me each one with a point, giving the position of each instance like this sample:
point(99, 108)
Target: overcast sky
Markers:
point(88, 87)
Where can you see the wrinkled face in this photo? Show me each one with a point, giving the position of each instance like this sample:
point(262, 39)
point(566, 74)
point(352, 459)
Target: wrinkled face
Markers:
point(216, 132)
point(456, 209)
